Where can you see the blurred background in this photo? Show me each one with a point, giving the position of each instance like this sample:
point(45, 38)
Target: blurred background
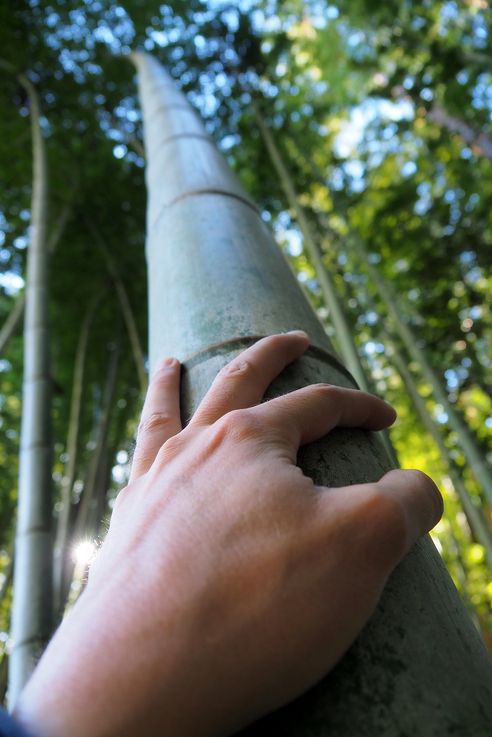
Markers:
point(361, 129)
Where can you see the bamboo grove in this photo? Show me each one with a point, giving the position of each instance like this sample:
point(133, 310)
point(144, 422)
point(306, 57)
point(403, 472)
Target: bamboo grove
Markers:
point(362, 132)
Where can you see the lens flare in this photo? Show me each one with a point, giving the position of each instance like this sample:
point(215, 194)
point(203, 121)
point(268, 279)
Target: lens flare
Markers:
point(83, 552)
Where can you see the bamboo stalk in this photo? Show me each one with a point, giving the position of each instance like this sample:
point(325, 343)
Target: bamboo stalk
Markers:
point(338, 318)
point(4, 671)
point(32, 599)
point(101, 493)
point(63, 526)
point(8, 574)
point(217, 281)
point(119, 438)
point(126, 308)
point(477, 524)
point(89, 502)
point(479, 140)
point(13, 322)
point(477, 463)
point(475, 520)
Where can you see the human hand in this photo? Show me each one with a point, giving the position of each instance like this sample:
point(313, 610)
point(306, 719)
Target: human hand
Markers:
point(228, 582)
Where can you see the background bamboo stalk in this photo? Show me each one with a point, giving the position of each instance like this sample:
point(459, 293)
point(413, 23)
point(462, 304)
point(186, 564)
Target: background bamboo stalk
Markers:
point(13, 322)
point(475, 519)
point(126, 308)
point(468, 444)
point(89, 503)
point(61, 552)
point(338, 318)
point(32, 599)
point(479, 139)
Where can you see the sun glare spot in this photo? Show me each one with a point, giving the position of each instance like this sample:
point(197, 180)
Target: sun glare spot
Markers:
point(84, 552)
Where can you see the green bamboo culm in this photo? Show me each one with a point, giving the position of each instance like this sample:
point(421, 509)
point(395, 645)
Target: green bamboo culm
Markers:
point(473, 514)
point(13, 323)
point(338, 318)
point(89, 501)
point(344, 338)
point(32, 597)
point(217, 282)
point(126, 308)
point(477, 462)
point(62, 564)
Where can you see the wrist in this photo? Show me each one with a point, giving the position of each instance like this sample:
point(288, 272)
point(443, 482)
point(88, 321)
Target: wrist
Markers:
point(106, 674)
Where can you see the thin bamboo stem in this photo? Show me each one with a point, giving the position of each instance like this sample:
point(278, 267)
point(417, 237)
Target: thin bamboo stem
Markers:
point(13, 322)
point(126, 308)
point(89, 501)
point(32, 599)
point(343, 333)
point(63, 526)
point(337, 315)
point(8, 574)
point(409, 339)
point(475, 520)
point(478, 139)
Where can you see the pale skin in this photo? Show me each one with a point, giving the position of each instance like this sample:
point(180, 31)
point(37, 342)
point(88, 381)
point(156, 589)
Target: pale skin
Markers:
point(228, 583)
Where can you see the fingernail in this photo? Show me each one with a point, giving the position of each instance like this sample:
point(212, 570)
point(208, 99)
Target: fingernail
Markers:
point(438, 505)
point(298, 332)
point(166, 362)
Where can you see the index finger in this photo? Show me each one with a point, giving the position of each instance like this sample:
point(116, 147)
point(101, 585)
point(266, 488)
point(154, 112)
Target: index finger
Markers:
point(160, 418)
point(243, 382)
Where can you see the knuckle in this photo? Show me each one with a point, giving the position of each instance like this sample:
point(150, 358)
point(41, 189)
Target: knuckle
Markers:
point(164, 372)
point(325, 390)
point(238, 368)
point(120, 501)
point(155, 421)
point(174, 444)
point(170, 449)
point(246, 425)
point(229, 423)
point(237, 425)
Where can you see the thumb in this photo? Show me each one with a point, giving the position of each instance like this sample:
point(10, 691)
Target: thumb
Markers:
point(385, 519)
point(419, 497)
